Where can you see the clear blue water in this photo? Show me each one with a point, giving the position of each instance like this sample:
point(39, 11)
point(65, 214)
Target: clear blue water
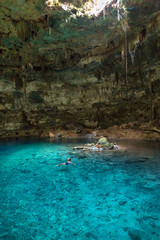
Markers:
point(105, 196)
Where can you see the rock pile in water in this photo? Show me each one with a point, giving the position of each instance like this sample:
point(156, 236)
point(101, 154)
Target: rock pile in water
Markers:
point(102, 144)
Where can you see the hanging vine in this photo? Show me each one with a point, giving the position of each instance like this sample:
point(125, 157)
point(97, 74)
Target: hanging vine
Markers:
point(122, 17)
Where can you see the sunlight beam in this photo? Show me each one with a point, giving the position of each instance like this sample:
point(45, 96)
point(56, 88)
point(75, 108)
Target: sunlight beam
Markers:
point(90, 8)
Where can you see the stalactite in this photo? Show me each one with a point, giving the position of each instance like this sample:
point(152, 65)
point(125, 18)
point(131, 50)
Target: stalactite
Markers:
point(151, 102)
point(104, 12)
point(34, 29)
point(50, 30)
point(23, 77)
point(132, 54)
point(126, 55)
point(122, 51)
point(42, 64)
point(26, 30)
point(51, 24)
point(132, 46)
point(116, 77)
point(124, 26)
point(142, 35)
point(151, 89)
point(22, 30)
point(122, 54)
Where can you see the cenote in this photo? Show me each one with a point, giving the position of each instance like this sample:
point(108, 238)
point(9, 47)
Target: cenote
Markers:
point(72, 72)
point(106, 195)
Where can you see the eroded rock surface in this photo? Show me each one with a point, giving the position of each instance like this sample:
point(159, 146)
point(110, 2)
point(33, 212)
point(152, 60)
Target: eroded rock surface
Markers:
point(63, 71)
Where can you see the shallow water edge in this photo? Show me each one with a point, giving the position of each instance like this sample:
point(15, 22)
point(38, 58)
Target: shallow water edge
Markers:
point(128, 131)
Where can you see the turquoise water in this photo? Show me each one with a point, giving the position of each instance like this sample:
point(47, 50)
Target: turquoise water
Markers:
point(105, 196)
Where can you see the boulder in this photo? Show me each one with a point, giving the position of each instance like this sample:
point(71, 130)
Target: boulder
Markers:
point(105, 144)
point(102, 144)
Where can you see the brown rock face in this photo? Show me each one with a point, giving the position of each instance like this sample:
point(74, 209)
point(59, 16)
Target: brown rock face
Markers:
point(61, 70)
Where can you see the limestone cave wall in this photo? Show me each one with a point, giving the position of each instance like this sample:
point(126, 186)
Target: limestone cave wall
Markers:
point(58, 68)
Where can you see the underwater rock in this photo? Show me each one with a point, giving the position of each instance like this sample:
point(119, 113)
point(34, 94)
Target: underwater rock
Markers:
point(25, 171)
point(136, 234)
point(138, 160)
point(151, 217)
point(4, 235)
point(131, 161)
point(122, 202)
